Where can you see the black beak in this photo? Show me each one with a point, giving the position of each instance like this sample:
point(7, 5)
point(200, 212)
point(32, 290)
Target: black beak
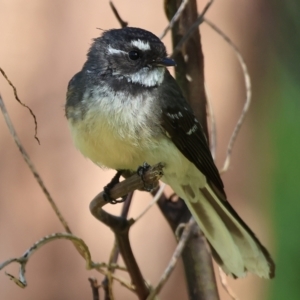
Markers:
point(164, 62)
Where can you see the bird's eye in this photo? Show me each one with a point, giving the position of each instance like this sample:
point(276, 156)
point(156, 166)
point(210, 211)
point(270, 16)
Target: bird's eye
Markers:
point(134, 55)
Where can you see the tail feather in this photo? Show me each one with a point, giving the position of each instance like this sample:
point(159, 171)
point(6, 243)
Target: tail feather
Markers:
point(234, 245)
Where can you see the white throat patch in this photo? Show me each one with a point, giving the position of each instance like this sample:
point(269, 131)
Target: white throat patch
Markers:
point(147, 77)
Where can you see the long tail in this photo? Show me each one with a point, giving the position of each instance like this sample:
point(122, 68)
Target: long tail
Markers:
point(234, 246)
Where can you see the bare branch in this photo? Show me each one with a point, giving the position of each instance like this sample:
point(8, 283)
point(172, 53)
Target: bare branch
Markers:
point(176, 255)
point(99, 267)
point(121, 225)
point(113, 258)
point(223, 279)
point(32, 167)
point(115, 266)
point(80, 244)
point(117, 15)
point(213, 129)
point(154, 200)
point(192, 29)
point(25, 257)
point(175, 18)
point(237, 128)
point(95, 288)
point(247, 80)
point(23, 104)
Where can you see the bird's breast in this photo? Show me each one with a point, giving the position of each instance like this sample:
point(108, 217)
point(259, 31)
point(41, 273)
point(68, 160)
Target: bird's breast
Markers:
point(116, 131)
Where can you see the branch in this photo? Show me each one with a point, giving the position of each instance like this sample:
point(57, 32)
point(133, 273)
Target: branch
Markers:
point(95, 288)
point(192, 28)
point(213, 125)
point(114, 255)
point(31, 166)
point(247, 80)
point(76, 241)
point(34, 171)
point(22, 260)
point(175, 18)
point(117, 15)
point(156, 196)
point(23, 104)
point(120, 225)
point(190, 77)
point(223, 279)
point(177, 253)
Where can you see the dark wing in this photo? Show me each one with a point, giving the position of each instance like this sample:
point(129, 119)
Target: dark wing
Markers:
point(74, 107)
point(75, 89)
point(186, 132)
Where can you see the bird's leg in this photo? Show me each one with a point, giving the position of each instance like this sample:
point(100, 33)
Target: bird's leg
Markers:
point(141, 172)
point(106, 194)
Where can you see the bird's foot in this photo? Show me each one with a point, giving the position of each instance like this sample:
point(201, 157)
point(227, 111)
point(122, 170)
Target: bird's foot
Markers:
point(106, 190)
point(141, 172)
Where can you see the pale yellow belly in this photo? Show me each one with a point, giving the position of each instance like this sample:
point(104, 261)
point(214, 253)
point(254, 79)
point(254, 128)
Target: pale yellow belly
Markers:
point(108, 144)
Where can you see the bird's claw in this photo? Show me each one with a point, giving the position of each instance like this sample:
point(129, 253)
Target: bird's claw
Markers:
point(141, 172)
point(106, 190)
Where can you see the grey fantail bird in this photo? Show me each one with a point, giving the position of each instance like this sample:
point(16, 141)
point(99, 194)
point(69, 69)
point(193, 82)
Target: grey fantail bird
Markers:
point(124, 108)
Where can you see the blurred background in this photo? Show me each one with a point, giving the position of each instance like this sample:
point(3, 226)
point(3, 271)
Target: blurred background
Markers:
point(44, 43)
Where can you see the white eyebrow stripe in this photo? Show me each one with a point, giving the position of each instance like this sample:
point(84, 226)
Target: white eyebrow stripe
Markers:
point(142, 45)
point(112, 50)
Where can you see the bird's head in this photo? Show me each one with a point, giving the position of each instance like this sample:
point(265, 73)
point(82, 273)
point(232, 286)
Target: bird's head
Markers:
point(133, 54)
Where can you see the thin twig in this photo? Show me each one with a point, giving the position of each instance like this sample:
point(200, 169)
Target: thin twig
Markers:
point(192, 29)
point(123, 23)
point(22, 260)
point(247, 103)
point(107, 281)
point(223, 279)
point(114, 255)
point(122, 281)
point(34, 171)
point(126, 205)
point(32, 167)
point(23, 104)
point(175, 18)
point(79, 244)
point(154, 200)
point(113, 265)
point(213, 127)
point(95, 288)
point(176, 255)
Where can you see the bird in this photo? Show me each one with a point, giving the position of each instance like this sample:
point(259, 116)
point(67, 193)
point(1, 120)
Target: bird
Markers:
point(124, 108)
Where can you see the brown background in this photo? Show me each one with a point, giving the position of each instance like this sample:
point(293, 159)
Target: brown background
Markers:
point(42, 45)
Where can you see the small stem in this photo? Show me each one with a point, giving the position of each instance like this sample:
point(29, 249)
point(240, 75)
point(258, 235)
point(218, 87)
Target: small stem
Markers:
point(123, 23)
point(248, 88)
point(114, 255)
point(95, 288)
